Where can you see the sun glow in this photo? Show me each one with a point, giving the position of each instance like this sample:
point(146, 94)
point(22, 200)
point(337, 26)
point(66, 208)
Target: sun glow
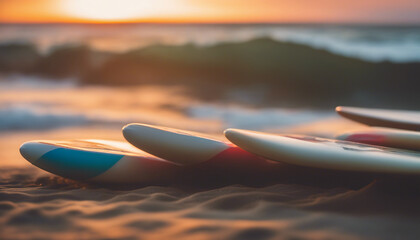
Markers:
point(111, 10)
point(209, 11)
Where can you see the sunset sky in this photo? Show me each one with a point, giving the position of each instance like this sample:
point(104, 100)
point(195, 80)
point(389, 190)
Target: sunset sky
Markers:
point(98, 11)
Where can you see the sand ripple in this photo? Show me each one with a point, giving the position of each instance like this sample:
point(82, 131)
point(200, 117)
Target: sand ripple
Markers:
point(36, 205)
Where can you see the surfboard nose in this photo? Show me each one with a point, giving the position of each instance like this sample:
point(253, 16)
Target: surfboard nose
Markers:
point(246, 139)
point(132, 131)
point(174, 145)
point(32, 151)
point(142, 136)
point(25, 151)
point(233, 135)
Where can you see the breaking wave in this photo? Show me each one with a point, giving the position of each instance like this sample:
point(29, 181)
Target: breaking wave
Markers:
point(371, 43)
point(28, 118)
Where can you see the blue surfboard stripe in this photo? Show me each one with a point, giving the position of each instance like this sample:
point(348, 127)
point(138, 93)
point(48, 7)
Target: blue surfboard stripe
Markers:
point(77, 164)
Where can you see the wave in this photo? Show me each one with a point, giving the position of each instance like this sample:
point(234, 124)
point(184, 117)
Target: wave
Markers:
point(34, 115)
point(275, 73)
point(24, 106)
point(373, 44)
point(43, 116)
point(370, 43)
point(255, 119)
point(31, 118)
point(27, 82)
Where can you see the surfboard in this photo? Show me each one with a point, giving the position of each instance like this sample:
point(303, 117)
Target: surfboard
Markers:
point(97, 161)
point(326, 153)
point(190, 148)
point(388, 137)
point(408, 120)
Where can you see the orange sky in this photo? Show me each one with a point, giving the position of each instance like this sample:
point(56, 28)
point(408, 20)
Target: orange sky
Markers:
point(97, 11)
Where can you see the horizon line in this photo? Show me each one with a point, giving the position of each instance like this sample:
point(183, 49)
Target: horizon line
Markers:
point(211, 23)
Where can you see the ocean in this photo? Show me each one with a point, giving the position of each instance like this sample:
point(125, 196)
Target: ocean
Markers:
point(393, 43)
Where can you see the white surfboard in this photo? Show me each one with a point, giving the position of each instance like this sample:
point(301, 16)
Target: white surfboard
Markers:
point(97, 161)
point(326, 153)
point(388, 137)
point(188, 148)
point(408, 120)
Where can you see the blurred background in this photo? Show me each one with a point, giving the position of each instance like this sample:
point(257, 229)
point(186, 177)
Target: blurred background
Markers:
point(203, 65)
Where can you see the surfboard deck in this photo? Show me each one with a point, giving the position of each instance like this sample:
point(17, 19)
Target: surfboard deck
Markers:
point(408, 120)
point(326, 153)
point(97, 161)
point(387, 137)
point(189, 148)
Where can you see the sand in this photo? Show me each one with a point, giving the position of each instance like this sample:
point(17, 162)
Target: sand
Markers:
point(46, 207)
point(291, 203)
